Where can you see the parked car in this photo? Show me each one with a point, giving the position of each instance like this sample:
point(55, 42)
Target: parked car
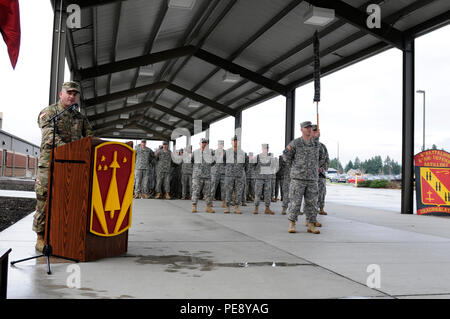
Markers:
point(342, 178)
point(352, 179)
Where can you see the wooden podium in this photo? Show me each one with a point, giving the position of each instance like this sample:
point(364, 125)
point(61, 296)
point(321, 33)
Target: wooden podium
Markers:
point(72, 214)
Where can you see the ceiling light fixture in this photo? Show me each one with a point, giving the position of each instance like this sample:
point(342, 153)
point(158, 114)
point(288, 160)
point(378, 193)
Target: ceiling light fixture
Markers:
point(231, 77)
point(181, 4)
point(147, 70)
point(318, 16)
point(125, 116)
point(193, 104)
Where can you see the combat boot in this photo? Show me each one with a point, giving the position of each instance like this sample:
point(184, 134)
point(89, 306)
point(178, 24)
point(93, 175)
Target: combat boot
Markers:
point(237, 210)
point(194, 208)
point(322, 212)
point(244, 204)
point(283, 212)
point(40, 243)
point(158, 196)
point(255, 211)
point(312, 229)
point(268, 211)
point(137, 196)
point(166, 196)
point(223, 204)
point(227, 210)
point(145, 196)
point(183, 198)
point(291, 227)
point(209, 209)
point(317, 224)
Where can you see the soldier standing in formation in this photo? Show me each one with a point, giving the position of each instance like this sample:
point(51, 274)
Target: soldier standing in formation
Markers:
point(71, 126)
point(201, 175)
point(186, 173)
point(235, 160)
point(218, 173)
point(303, 153)
point(144, 159)
point(250, 173)
point(163, 159)
point(285, 170)
point(324, 164)
point(263, 179)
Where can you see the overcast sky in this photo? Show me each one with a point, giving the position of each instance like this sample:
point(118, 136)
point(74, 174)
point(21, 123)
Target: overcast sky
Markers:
point(360, 108)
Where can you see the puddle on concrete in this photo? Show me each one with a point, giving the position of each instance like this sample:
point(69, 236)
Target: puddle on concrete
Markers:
point(176, 263)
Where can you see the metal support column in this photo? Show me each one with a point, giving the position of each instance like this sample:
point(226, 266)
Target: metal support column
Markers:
point(289, 130)
point(58, 51)
point(407, 198)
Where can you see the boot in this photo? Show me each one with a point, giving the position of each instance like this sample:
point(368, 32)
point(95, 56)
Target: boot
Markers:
point(255, 211)
point(317, 224)
point(244, 204)
point(268, 211)
point(283, 212)
point(40, 243)
point(194, 208)
point(291, 227)
point(312, 229)
point(158, 196)
point(322, 212)
point(145, 196)
point(166, 196)
point(237, 210)
point(227, 210)
point(137, 196)
point(223, 204)
point(209, 209)
point(183, 198)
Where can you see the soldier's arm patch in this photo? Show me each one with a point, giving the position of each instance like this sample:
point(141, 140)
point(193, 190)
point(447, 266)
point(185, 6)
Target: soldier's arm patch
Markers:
point(43, 116)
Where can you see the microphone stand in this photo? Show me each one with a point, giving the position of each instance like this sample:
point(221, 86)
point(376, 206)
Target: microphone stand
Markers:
point(47, 251)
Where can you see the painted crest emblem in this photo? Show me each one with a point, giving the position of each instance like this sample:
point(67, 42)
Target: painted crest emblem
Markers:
point(112, 189)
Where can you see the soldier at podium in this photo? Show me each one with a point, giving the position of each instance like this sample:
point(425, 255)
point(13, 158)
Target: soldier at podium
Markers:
point(71, 126)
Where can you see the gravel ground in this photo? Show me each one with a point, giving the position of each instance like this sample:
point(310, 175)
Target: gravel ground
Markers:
point(14, 209)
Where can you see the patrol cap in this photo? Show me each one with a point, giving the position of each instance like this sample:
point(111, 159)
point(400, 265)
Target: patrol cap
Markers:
point(220, 142)
point(250, 154)
point(265, 145)
point(165, 143)
point(234, 138)
point(204, 140)
point(144, 141)
point(305, 124)
point(71, 86)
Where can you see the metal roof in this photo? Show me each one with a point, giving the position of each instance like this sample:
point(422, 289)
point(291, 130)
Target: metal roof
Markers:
point(265, 41)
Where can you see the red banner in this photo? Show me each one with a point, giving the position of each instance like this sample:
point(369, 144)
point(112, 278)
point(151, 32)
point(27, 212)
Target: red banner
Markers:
point(10, 28)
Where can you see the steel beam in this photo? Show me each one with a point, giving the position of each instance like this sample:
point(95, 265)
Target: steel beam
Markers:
point(407, 199)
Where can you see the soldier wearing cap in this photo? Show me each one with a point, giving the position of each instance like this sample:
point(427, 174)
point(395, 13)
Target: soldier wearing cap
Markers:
point(324, 164)
point(263, 179)
point(72, 126)
point(218, 173)
point(250, 173)
point(235, 160)
point(144, 158)
point(303, 153)
point(285, 169)
point(163, 157)
point(202, 158)
point(186, 173)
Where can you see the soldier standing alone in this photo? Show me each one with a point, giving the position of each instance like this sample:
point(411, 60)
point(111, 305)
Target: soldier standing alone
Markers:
point(72, 126)
point(303, 153)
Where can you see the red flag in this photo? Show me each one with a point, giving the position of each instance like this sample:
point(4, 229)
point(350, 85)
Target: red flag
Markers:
point(10, 27)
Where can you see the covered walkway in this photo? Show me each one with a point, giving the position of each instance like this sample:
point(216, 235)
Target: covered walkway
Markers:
point(173, 253)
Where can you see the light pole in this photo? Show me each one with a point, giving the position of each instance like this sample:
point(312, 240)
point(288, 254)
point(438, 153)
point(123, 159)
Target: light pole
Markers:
point(423, 92)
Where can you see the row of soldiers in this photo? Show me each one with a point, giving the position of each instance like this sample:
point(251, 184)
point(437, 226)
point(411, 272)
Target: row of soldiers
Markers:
point(230, 174)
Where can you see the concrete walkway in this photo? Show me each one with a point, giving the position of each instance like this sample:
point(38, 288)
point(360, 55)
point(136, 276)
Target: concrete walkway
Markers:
point(173, 253)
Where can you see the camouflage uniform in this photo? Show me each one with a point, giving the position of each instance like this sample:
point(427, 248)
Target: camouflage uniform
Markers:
point(218, 174)
point(71, 126)
point(250, 174)
point(164, 163)
point(304, 175)
point(285, 168)
point(186, 175)
point(263, 178)
point(144, 158)
point(324, 163)
point(234, 169)
point(201, 174)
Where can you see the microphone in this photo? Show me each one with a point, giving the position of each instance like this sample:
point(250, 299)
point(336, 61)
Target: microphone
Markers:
point(73, 107)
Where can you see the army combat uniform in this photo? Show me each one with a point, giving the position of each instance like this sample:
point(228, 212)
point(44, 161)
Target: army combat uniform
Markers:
point(324, 163)
point(201, 177)
point(234, 169)
point(164, 163)
point(218, 175)
point(186, 175)
point(144, 159)
point(71, 126)
point(263, 180)
point(304, 156)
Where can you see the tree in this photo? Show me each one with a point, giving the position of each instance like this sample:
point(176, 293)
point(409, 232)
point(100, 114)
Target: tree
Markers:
point(335, 163)
point(349, 166)
point(387, 167)
point(357, 164)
